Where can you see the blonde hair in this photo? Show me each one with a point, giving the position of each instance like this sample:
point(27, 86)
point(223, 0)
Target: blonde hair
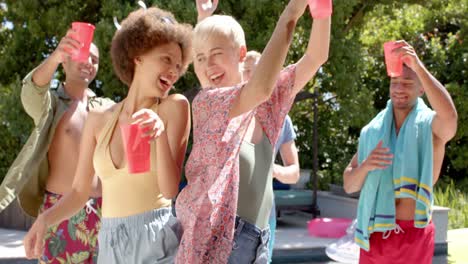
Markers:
point(219, 25)
point(253, 55)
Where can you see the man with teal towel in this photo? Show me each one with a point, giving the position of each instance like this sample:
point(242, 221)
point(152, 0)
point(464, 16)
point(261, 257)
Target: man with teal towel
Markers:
point(399, 160)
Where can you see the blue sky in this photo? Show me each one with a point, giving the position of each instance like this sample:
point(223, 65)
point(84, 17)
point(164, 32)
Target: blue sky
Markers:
point(6, 23)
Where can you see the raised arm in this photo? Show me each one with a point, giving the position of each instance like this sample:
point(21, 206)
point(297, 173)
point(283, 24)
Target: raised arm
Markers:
point(262, 83)
point(205, 8)
point(45, 72)
point(444, 124)
point(37, 83)
point(316, 53)
point(71, 202)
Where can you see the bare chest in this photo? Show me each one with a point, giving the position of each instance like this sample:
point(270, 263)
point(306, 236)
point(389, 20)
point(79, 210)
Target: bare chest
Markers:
point(70, 127)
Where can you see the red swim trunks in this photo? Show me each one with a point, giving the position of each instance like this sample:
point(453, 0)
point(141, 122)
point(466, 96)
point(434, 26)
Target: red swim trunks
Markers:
point(73, 240)
point(406, 245)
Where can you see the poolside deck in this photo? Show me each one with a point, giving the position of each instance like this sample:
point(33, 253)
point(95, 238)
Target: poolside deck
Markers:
point(293, 244)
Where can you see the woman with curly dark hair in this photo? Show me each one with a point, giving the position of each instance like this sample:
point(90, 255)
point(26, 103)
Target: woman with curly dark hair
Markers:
point(149, 53)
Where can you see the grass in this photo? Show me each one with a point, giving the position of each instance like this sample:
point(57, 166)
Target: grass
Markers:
point(454, 196)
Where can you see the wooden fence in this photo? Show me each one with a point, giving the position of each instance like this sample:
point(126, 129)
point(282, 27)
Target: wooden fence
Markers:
point(14, 218)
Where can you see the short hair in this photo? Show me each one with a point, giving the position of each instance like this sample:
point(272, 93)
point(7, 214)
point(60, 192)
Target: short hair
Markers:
point(253, 55)
point(220, 25)
point(141, 31)
point(94, 44)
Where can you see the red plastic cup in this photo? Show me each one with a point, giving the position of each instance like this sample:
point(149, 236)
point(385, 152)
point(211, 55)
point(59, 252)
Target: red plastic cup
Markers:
point(392, 61)
point(137, 148)
point(320, 8)
point(84, 34)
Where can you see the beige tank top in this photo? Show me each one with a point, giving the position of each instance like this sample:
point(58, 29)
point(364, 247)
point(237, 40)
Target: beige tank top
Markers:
point(125, 194)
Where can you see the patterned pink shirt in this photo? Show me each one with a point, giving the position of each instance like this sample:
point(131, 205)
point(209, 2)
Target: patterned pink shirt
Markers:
point(207, 206)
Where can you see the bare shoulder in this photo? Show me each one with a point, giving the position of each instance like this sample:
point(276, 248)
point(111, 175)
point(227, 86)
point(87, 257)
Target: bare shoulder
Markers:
point(174, 104)
point(104, 111)
point(98, 117)
point(177, 99)
point(100, 104)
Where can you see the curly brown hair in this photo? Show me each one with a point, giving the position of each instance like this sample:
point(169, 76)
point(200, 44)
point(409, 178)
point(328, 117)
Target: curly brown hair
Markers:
point(143, 30)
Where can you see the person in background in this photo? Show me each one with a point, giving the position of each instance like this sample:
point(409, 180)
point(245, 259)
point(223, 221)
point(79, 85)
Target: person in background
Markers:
point(251, 60)
point(289, 172)
point(399, 160)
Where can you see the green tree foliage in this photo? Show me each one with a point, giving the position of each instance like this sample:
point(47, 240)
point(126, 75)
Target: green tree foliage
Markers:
point(353, 85)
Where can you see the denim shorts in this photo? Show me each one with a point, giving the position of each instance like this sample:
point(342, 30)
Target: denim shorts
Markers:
point(272, 223)
point(150, 237)
point(250, 244)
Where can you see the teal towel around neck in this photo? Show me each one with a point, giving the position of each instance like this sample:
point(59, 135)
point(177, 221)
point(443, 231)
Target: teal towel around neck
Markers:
point(409, 176)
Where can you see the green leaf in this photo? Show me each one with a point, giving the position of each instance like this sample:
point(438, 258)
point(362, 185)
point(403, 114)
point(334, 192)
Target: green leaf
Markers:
point(79, 257)
point(79, 217)
point(57, 246)
point(71, 230)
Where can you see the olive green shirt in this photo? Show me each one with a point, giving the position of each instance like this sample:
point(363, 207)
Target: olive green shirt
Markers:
point(255, 182)
point(27, 176)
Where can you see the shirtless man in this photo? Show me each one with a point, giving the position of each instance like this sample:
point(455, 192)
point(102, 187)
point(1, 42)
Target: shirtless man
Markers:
point(44, 169)
point(404, 96)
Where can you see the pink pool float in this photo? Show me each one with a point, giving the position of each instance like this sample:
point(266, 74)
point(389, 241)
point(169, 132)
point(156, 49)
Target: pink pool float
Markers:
point(328, 227)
